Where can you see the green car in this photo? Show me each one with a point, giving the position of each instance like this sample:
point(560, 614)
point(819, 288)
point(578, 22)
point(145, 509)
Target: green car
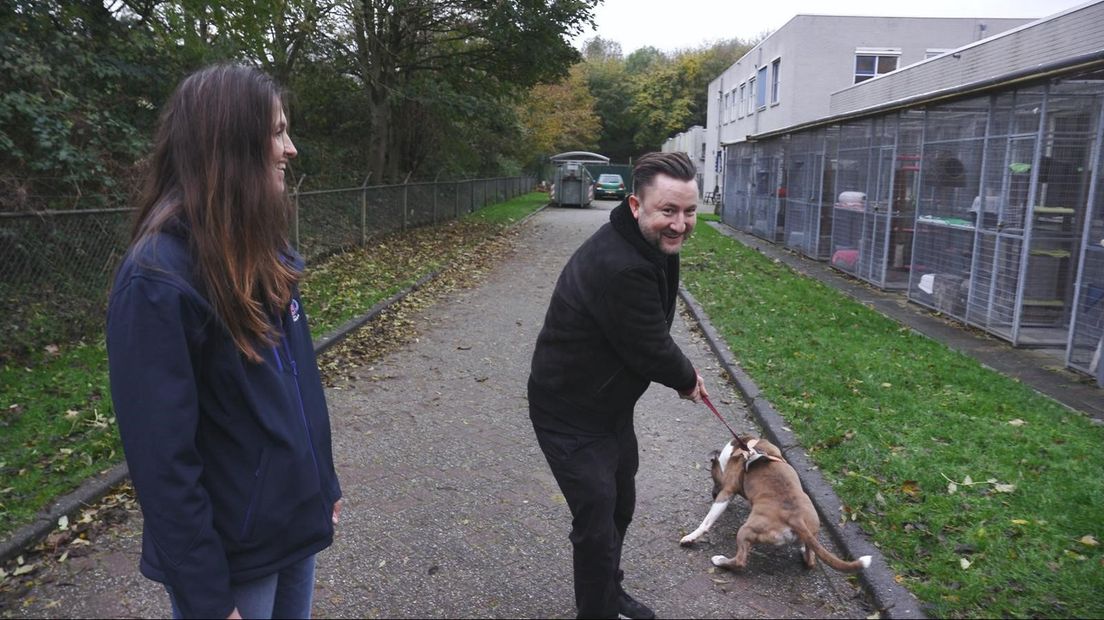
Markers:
point(610, 185)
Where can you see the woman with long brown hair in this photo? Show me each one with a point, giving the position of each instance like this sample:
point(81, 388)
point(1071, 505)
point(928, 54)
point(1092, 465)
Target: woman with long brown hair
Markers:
point(213, 375)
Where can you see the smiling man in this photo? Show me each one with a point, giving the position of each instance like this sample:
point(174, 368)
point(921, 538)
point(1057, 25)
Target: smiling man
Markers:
point(606, 337)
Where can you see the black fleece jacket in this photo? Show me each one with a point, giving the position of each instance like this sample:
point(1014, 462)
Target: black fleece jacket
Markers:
point(606, 335)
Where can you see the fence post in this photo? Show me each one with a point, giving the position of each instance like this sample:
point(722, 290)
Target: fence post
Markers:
point(435, 198)
point(406, 193)
point(364, 211)
point(295, 222)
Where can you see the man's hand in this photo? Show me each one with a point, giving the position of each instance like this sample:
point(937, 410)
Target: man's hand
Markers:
point(695, 394)
point(336, 512)
point(234, 615)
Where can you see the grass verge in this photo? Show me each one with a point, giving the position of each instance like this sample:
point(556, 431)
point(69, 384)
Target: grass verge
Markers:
point(56, 419)
point(984, 496)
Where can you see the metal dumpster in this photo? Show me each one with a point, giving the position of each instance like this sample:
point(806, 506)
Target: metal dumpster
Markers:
point(572, 183)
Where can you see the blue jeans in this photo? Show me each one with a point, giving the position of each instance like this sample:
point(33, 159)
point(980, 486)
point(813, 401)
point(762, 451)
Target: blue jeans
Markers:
point(285, 594)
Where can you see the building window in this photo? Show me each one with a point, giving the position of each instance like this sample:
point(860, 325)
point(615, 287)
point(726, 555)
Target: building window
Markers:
point(751, 96)
point(726, 111)
point(869, 64)
point(776, 67)
point(761, 95)
point(743, 100)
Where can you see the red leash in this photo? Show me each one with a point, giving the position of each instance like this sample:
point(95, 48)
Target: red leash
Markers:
point(752, 454)
point(718, 414)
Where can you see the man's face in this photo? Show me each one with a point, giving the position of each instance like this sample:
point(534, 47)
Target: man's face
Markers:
point(667, 212)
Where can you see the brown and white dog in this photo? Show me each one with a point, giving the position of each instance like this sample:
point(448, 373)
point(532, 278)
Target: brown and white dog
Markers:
point(781, 512)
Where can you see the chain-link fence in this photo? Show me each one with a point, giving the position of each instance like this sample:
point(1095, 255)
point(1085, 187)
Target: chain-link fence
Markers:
point(56, 266)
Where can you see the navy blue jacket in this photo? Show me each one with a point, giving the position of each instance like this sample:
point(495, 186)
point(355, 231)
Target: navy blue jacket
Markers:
point(607, 333)
point(231, 460)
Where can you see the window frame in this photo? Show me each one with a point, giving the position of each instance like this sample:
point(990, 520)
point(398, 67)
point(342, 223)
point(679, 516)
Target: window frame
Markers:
point(776, 69)
point(761, 94)
point(751, 95)
point(877, 54)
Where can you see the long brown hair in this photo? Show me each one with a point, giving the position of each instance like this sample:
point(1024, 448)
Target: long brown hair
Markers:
point(210, 170)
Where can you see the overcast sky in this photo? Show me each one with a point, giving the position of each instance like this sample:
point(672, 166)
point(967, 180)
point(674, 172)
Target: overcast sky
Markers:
point(678, 24)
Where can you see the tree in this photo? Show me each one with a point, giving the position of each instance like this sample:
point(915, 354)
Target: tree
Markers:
point(561, 117)
point(77, 93)
point(474, 49)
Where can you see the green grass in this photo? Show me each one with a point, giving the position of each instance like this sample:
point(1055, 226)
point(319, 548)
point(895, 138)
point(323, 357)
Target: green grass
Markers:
point(56, 420)
point(56, 428)
point(346, 285)
point(890, 416)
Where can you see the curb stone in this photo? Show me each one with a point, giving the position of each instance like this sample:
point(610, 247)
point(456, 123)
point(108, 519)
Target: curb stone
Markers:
point(96, 487)
point(890, 598)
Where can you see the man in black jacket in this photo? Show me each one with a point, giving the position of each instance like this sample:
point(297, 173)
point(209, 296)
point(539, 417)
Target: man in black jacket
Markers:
point(606, 337)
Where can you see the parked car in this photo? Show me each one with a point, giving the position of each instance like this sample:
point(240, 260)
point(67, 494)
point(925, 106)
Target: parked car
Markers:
point(610, 185)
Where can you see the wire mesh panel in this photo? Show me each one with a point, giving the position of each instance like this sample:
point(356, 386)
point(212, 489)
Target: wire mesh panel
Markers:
point(853, 174)
point(737, 190)
point(950, 177)
point(808, 174)
point(1057, 212)
point(57, 268)
point(767, 207)
point(896, 253)
point(329, 221)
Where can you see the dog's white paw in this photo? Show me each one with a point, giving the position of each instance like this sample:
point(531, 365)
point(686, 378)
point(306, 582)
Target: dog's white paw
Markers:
point(718, 560)
point(689, 539)
point(865, 561)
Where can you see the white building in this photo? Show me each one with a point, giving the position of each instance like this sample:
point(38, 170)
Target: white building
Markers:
point(789, 77)
point(972, 181)
point(691, 142)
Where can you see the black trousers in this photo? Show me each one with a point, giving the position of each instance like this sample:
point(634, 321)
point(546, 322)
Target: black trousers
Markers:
point(597, 475)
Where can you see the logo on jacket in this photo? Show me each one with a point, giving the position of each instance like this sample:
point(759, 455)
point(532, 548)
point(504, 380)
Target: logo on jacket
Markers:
point(293, 309)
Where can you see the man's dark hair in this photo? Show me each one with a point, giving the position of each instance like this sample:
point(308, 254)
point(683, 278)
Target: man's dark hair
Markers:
point(674, 165)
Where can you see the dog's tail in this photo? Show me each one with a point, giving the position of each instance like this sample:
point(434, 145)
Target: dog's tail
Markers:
point(829, 558)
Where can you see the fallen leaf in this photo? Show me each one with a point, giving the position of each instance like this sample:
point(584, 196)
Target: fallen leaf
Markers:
point(1088, 540)
point(63, 523)
point(1004, 488)
point(911, 487)
point(952, 488)
point(1019, 521)
point(29, 568)
point(52, 349)
point(1017, 422)
point(964, 563)
point(967, 481)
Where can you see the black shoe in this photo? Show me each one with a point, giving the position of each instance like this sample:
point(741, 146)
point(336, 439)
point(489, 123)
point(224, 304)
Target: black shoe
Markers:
point(628, 607)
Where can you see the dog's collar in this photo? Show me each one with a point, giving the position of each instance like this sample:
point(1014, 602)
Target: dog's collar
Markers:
point(751, 455)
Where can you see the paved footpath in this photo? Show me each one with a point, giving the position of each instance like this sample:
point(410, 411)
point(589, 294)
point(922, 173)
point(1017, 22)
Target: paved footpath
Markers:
point(450, 508)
